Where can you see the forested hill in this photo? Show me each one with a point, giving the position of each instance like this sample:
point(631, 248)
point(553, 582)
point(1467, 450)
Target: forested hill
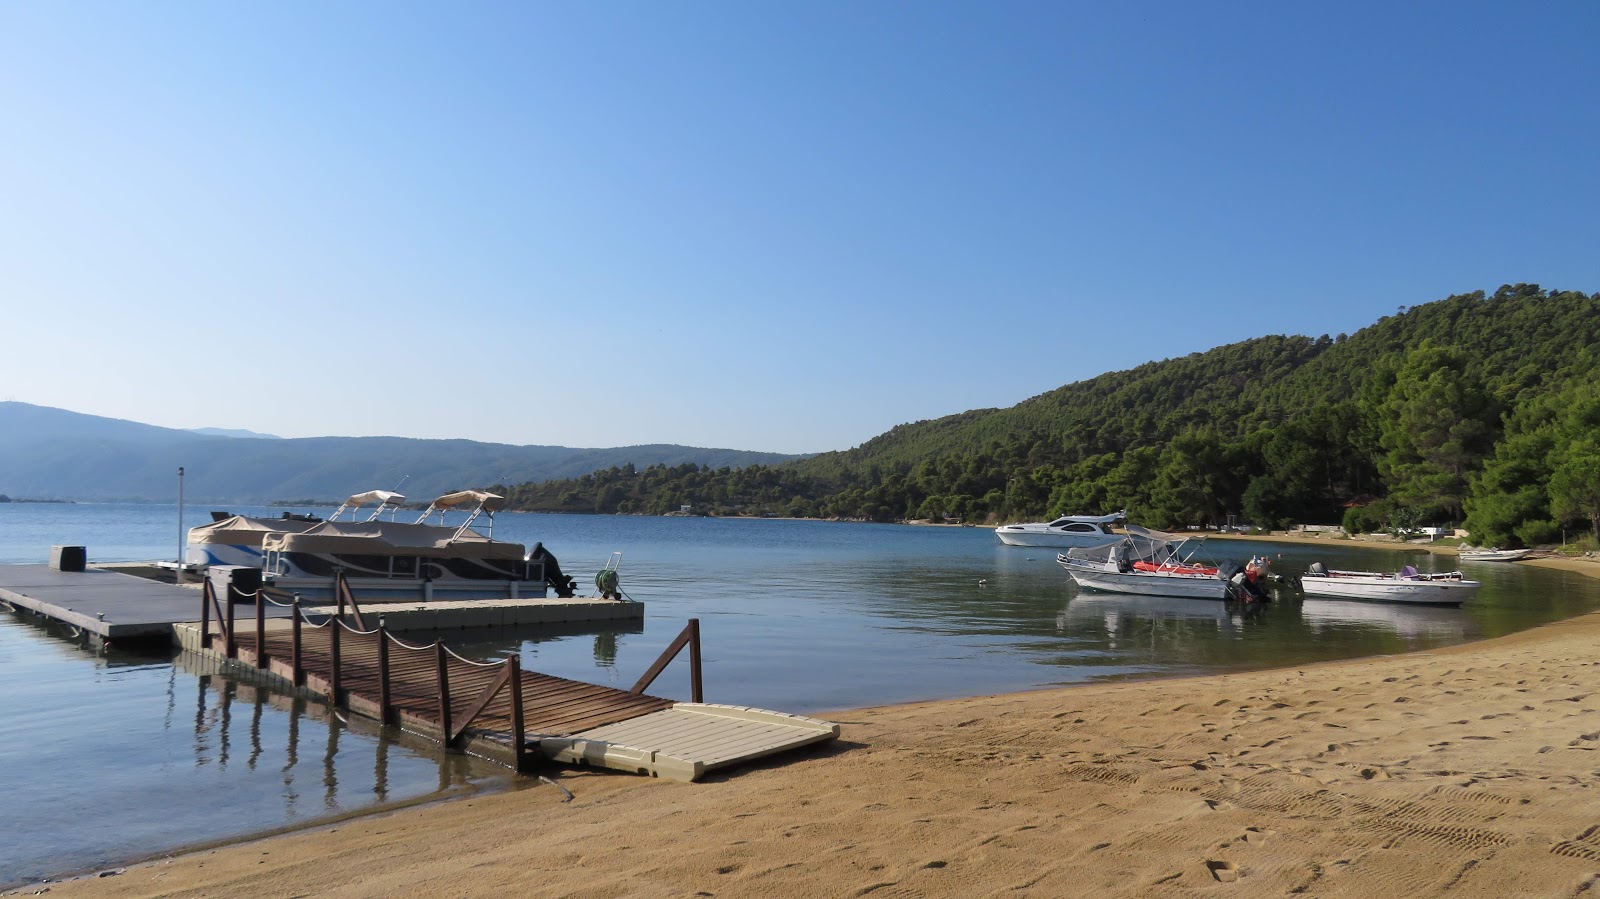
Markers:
point(1439, 411)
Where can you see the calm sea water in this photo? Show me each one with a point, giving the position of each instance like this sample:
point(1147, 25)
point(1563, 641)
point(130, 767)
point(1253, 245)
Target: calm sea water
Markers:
point(127, 755)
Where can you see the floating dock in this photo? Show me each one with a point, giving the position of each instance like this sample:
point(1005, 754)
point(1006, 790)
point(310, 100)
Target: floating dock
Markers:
point(112, 606)
point(120, 608)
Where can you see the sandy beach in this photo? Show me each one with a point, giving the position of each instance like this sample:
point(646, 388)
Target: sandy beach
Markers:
point(1466, 771)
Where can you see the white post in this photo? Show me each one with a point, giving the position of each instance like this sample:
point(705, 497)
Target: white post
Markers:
point(182, 535)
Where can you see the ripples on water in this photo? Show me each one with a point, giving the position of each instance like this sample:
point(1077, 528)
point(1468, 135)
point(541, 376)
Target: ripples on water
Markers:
point(128, 756)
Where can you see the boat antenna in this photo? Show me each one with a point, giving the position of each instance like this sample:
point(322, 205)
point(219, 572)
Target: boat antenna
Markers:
point(395, 510)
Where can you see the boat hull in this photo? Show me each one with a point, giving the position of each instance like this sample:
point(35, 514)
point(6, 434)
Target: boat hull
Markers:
point(1012, 536)
point(1150, 584)
point(1498, 555)
point(1395, 590)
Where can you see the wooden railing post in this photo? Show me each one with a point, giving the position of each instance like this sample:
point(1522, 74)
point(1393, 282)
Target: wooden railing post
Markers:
point(334, 685)
point(261, 628)
point(518, 738)
point(347, 596)
point(207, 596)
point(232, 643)
point(383, 672)
point(695, 693)
point(296, 666)
point(444, 693)
point(690, 636)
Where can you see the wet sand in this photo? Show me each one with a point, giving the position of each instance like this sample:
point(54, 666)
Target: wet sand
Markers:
point(1467, 771)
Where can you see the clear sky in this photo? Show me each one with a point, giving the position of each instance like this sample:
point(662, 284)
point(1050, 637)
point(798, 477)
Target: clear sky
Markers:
point(766, 226)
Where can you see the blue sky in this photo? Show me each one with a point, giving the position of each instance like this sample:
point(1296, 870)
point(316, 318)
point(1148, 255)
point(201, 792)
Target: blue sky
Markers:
point(766, 226)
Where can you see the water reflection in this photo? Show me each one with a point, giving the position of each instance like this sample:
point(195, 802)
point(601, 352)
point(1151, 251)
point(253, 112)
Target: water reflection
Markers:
point(1406, 621)
point(320, 748)
point(1154, 624)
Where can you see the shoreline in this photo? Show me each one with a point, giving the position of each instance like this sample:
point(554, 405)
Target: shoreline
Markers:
point(1457, 771)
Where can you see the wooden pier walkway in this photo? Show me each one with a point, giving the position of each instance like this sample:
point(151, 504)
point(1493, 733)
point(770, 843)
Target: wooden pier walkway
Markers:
point(492, 709)
point(495, 709)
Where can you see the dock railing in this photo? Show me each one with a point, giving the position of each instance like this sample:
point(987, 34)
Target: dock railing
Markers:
point(407, 693)
point(690, 636)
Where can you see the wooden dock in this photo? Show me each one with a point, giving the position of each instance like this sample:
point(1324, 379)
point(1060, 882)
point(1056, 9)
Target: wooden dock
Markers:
point(358, 662)
point(498, 711)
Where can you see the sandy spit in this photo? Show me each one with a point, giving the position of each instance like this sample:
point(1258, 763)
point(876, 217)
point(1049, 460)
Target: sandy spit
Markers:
point(1468, 771)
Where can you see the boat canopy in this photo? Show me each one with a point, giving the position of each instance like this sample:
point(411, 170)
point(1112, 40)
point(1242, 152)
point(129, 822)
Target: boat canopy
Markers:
point(489, 502)
point(241, 530)
point(393, 538)
point(1137, 545)
point(383, 499)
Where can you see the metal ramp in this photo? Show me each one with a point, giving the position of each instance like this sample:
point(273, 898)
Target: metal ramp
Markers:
point(685, 741)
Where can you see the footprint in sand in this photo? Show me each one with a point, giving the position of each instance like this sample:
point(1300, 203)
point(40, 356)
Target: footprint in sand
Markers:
point(1223, 871)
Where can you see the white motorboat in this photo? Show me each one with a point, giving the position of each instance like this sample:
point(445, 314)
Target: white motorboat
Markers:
point(1404, 586)
point(398, 560)
point(1143, 562)
point(1067, 532)
point(1492, 555)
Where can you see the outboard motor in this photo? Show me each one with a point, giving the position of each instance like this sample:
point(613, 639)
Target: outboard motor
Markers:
point(564, 585)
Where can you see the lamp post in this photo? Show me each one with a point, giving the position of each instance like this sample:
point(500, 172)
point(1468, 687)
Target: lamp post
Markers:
point(178, 572)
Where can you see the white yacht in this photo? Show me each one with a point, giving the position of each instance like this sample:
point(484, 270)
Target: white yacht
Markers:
point(1068, 532)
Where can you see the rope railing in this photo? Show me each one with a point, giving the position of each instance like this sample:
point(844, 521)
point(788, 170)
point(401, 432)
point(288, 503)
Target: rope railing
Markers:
point(414, 647)
point(456, 714)
point(352, 629)
point(459, 657)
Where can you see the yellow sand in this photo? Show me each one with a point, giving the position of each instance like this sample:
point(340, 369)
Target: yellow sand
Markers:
point(1469, 771)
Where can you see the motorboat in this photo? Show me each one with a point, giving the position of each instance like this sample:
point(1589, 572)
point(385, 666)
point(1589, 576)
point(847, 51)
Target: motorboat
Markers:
point(1067, 532)
point(390, 560)
point(1492, 555)
point(1144, 562)
point(236, 539)
point(1407, 585)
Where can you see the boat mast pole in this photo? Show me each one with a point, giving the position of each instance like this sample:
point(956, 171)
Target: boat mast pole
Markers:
point(178, 573)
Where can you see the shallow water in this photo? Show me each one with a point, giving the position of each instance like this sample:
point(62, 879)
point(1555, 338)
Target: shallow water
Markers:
point(800, 616)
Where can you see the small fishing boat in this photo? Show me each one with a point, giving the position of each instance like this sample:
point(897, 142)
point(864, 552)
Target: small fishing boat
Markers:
point(1407, 585)
point(1492, 555)
point(1068, 531)
point(1143, 562)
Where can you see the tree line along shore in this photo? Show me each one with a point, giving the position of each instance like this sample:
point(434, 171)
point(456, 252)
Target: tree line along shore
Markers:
point(1477, 410)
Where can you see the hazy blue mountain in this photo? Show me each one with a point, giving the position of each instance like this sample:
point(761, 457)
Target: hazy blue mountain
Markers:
point(233, 432)
point(48, 453)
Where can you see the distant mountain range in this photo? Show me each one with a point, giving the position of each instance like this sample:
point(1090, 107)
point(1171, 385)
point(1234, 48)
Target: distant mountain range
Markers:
point(233, 432)
point(48, 453)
